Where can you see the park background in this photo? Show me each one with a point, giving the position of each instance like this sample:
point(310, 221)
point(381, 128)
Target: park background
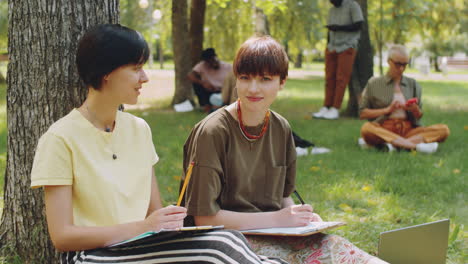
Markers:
point(372, 191)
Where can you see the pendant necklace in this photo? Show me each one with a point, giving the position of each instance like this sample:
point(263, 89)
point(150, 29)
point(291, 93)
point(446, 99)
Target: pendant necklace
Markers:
point(244, 132)
point(106, 129)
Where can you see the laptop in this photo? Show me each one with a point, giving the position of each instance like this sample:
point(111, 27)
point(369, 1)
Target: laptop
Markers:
point(419, 244)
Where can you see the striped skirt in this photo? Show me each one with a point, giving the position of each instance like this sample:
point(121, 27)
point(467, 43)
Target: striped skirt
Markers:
point(222, 246)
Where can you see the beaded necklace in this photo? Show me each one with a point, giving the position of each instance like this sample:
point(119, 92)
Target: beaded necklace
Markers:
point(244, 132)
point(106, 128)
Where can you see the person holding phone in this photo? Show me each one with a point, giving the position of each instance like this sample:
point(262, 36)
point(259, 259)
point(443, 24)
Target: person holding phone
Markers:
point(392, 104)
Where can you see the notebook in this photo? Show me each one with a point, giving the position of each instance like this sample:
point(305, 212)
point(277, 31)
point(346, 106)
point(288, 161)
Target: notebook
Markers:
point(164, 234)
point(311, 228)
point(420, 244)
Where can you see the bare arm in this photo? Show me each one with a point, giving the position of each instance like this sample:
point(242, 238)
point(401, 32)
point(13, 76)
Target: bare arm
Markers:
point(155, 200)
point(195, 77)
point(368, 113)
point(415, 110)
point(68, 237)
point(292, 215)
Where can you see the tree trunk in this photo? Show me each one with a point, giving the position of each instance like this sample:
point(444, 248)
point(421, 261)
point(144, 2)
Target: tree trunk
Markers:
point(160, 54)
point(181, 48)
point(298, 61)
point(43, 86)
point(380, 39)
point(363, 66)
point(261, 23)
point(197, 22)
point(436, 63)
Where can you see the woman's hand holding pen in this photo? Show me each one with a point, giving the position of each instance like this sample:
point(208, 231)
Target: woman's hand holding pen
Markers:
point(297, 215)
point(169, 217)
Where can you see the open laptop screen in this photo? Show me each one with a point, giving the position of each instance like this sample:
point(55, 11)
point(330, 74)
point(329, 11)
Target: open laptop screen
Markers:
point(420, 244)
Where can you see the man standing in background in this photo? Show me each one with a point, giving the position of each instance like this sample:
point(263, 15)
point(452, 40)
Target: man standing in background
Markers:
point(344, 24)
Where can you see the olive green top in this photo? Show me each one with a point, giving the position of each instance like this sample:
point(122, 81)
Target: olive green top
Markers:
point(233, 173)
point(379, 91)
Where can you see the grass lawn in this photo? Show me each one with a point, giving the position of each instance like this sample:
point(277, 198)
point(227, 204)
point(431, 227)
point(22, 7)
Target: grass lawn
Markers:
point(372, 191)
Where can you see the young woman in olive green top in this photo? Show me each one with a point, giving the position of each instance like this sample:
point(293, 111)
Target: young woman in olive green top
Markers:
point(245, 165)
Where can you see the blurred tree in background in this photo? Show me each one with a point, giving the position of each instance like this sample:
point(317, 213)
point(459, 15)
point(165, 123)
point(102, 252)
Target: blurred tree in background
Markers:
point(153, 19)
point(3, 33)
point(441, 28)
point(436, 27)
point(299, 24)
point(3, 26)
point(182, 59)
point(431, 27)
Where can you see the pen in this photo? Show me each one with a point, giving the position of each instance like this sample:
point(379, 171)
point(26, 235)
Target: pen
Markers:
point(299, 197)
point(187, 179)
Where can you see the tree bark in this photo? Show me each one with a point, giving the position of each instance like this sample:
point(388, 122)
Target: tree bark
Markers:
point(363, 66)
point(43, 86)
point(181, 48)
point(197, 22)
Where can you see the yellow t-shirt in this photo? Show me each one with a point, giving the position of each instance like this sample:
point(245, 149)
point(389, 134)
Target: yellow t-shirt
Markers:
point(106, 191)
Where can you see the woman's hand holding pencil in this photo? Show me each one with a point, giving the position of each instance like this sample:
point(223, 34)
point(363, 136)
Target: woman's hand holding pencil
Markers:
point(169, 217)
point(295, 215)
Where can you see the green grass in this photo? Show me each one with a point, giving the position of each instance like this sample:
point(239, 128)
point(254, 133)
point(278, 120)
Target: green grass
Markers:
point(372, 191)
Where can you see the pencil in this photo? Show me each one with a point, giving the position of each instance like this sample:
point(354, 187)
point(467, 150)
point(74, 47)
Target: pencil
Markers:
point(187, 179)
point(299, 197)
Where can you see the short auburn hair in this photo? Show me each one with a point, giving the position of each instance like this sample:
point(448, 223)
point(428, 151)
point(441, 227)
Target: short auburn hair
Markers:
point(260, 56)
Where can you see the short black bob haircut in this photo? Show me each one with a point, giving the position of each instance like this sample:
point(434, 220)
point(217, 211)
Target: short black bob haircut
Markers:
point(260, 56)
point(106, 47)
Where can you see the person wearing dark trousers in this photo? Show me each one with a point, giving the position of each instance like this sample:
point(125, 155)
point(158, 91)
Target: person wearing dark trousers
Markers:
point(208, 76)
point(344, 24)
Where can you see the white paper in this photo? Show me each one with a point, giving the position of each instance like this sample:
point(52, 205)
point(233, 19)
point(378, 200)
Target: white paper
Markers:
point(311, 227)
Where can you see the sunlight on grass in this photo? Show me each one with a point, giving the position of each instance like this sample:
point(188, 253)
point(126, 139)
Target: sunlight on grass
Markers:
point(445, 96)
point(374, 191)
point(370, 190)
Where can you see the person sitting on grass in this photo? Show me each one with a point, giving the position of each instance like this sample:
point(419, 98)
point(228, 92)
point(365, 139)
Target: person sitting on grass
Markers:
point(392, 104)
point(96, 167)
point(207, 77)
point(245, 165)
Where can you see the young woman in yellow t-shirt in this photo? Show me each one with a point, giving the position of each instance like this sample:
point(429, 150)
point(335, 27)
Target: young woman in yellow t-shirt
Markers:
point(96, 167)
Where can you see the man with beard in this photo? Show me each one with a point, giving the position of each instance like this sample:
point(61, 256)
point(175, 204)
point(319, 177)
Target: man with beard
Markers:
point(344, 24)
point(208, 77)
